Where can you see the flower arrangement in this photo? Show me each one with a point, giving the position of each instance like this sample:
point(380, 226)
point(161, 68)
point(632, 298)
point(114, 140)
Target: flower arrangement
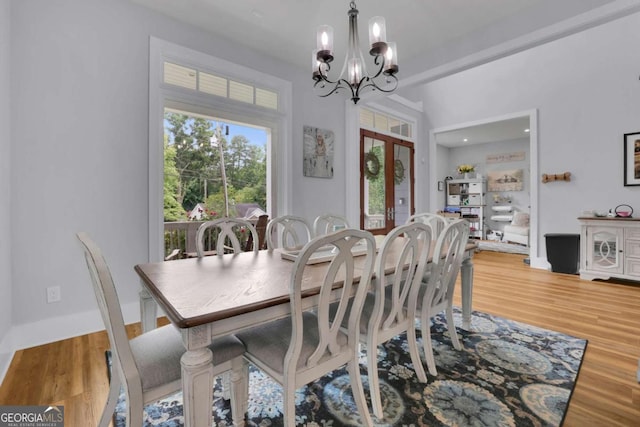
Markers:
point(466, 168)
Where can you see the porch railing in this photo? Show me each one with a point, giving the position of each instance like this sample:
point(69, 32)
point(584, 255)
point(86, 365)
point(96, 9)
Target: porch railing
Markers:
point(181, 236)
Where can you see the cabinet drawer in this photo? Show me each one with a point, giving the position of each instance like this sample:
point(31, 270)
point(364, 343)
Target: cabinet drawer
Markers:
point(632, 267)
point(475, 199)
point(453, 200)
point(632, 233)
point(632, 248)
point(475, 188)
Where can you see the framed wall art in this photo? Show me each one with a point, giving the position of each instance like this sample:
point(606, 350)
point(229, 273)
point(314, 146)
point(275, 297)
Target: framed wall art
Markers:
point(632, 159)
point(317, 152)
point(507, 180)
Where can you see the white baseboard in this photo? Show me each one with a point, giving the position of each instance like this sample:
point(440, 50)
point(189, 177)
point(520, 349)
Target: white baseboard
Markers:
point(55, 329)
point(540, 263)
point(5, 361)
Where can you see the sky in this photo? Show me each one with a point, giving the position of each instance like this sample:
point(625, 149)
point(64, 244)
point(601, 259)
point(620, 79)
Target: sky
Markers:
point(254, 135)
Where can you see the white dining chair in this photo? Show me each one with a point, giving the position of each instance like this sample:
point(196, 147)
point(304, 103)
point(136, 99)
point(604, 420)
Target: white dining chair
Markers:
point(435, 221)
point(328, 223)
point(147, 368)
point(227, 240)
point(389, 308)
point(437, 293)
point(437, 224)
point(288, 232)
point(303, 347)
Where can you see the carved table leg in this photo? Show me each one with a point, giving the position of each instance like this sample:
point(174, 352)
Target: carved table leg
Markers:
point(197, 377)
point(466, 279)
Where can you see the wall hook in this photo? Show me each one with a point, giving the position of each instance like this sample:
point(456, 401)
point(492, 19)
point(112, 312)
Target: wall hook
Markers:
point(556, 177)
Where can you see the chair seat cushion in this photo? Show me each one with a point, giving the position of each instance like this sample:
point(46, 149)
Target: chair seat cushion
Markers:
point(157, 354)
point(269, 343)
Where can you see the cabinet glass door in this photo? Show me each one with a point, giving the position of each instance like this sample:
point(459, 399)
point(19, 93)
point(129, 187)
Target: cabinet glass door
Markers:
point(605, 247)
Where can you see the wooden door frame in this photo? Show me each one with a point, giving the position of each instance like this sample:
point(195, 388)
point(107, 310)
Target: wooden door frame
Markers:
point(388, 174)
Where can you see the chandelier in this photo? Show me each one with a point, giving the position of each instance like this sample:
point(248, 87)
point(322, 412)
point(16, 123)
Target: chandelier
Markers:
point(354, 73)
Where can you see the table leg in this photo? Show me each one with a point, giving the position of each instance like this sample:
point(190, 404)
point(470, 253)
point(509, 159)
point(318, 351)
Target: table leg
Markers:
point(197, 376)
point(148, 311)
point(466, 279)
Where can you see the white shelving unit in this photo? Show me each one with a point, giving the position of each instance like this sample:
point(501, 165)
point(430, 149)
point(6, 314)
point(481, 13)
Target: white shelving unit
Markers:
point(469, 196)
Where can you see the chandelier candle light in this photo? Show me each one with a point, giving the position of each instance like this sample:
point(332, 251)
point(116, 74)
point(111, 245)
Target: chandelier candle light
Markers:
point(354, 74)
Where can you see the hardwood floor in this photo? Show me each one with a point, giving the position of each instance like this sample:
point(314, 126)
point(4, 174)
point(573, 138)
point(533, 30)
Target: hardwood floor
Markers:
point(72, 372)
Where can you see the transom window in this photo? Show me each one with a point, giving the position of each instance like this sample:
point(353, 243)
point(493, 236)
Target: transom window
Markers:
point(213, 84)
point(385, 123)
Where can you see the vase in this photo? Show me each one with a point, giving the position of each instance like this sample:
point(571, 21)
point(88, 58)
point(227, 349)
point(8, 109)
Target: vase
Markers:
point(466, 175)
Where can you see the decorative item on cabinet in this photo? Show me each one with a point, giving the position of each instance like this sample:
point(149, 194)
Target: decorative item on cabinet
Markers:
point(623, 211)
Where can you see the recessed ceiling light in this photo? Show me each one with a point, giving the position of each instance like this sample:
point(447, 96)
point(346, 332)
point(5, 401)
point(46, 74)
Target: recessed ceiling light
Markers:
point(526, 130)
point(465, 140)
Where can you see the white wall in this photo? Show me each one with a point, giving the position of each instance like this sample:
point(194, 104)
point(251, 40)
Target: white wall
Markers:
point(586, 90)
point(5, 190)
point(79, 150)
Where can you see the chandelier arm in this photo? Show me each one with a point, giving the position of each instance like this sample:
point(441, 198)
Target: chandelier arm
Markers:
point(381, 66)
point(337, 85)
point(374, 85)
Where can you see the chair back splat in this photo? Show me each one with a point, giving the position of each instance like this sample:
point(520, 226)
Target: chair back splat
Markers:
point(435, 221)
point(288, 232)
point(328, 223)
point(227, 240)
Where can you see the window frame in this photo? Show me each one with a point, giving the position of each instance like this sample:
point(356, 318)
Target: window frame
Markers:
point(163, 95)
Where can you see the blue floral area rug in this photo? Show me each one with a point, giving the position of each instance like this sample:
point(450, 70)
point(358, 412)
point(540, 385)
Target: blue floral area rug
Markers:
point(507, 374)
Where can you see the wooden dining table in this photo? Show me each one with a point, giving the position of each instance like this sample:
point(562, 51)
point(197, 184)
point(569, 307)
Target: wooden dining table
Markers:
point(214, 296)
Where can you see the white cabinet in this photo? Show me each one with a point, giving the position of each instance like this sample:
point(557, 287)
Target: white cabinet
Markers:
point(609, 247)
point(469, 196)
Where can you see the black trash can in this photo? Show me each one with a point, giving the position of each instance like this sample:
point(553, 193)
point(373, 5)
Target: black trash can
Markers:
point(563, 252)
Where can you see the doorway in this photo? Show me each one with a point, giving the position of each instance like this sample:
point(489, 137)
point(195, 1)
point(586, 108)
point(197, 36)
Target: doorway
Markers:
point(439, 168)
point(386, 182)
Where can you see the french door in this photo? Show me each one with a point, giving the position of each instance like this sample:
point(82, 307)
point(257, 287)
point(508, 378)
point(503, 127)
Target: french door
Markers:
point(386, 181)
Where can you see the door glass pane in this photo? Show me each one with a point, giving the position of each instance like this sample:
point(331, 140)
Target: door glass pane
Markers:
point(402, 184)
point(374, 191)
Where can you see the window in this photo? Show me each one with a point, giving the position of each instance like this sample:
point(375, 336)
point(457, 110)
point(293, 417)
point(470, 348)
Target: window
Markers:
point(384, 123)
point(203, 156)
point(213, 84)
point(201, 85)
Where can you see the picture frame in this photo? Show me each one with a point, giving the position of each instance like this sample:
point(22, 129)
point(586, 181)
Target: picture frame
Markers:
point(631, 159)
point(317, 152)
point(505, 180)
